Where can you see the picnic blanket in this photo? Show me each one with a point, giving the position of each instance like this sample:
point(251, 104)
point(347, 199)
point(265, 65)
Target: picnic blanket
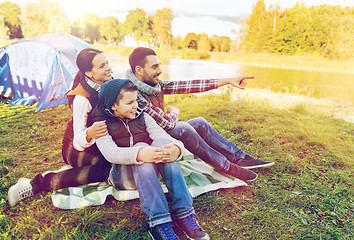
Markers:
point(199, 176)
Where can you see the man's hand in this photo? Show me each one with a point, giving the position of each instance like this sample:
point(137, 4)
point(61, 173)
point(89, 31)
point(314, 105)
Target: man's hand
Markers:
point(173, 109)
point(239, 82)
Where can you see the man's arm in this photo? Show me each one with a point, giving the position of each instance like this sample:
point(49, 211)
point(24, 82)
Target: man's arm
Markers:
point(197, 86)
point(167, 121)
point(190, 86)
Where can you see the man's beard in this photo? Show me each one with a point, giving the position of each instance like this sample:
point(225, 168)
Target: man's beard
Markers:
point(149, 80)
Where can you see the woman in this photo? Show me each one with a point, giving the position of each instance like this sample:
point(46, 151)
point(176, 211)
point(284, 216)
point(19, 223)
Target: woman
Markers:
point(79, 149)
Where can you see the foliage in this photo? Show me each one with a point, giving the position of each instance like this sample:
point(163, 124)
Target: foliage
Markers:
point(137, 25)
point(44, 16)
point(319, 30)
point(109, 29)
point(10, 13)
point(161, 27)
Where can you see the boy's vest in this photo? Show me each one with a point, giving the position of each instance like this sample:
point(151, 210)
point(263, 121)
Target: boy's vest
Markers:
point(125, 133)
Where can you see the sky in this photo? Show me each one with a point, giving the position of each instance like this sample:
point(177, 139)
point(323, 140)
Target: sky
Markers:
point(213, 17)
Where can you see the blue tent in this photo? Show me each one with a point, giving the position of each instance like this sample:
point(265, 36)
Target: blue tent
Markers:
point(40, 70)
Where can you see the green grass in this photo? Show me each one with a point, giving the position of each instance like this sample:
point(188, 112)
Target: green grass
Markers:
point(307, 194)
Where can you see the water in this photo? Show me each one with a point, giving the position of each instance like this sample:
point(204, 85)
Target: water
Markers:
point(335, 86)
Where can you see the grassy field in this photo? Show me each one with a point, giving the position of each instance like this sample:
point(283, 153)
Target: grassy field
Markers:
point(308, 194)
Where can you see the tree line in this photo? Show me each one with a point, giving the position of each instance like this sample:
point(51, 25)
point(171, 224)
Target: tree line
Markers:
point(326, 31)
point(46, 16)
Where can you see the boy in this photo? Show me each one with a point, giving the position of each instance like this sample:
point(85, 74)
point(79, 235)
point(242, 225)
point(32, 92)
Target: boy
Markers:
point(138, 146)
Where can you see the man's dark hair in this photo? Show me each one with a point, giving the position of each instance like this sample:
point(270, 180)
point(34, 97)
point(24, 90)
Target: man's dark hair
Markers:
point(137, 57)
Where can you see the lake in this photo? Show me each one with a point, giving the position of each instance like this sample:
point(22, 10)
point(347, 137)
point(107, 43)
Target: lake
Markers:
point(318, 84)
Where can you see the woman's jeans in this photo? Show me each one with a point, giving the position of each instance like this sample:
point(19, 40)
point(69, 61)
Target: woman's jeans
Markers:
point(202, 140)
point(152, 198)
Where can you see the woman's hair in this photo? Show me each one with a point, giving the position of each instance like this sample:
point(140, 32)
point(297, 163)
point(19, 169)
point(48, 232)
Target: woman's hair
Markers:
point(127, 87)
point(84, 63)
point(137, 57)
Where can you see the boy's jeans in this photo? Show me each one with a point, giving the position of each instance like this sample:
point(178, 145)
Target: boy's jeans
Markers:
point(152, 198)
point(202, 140)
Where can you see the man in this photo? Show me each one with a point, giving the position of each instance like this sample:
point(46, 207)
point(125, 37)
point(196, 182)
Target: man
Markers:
point(197, 135)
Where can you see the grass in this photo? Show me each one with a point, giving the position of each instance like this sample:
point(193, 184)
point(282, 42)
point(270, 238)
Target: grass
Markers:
point(308, 194)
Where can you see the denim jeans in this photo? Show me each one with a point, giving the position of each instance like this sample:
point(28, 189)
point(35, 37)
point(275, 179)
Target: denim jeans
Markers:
point(202, 140)
point(152, 198)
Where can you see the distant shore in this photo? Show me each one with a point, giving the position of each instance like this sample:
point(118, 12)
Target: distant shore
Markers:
point(307, 63)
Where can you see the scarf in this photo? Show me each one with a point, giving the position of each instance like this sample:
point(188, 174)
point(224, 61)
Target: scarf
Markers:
point(143, 87)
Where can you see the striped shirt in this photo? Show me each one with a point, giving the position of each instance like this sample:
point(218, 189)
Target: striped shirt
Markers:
point(168, 121)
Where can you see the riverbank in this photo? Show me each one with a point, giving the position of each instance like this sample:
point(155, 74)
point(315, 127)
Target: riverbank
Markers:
point(255, 59)
point(306, 194)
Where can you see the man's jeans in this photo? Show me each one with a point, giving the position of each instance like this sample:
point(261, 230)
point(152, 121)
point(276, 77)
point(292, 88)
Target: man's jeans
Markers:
point(202, 140)
point(152, 198)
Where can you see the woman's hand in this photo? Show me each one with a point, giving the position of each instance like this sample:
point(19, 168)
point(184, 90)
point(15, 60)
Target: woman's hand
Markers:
point(97, 130)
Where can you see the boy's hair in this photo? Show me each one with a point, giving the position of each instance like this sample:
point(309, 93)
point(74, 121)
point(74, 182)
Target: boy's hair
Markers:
point(138, 57)
point(127, 87)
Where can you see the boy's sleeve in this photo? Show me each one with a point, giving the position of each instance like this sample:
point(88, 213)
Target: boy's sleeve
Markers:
point(155, 132)
point(115, 154)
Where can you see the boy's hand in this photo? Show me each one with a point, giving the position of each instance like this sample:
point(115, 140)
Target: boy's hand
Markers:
point(149, 154)
point(97, 130)
point(169, 153)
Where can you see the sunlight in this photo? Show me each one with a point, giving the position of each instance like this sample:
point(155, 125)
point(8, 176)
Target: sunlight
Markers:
point(77, 8)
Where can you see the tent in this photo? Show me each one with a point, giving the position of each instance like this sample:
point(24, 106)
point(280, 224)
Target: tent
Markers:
point(40, 69)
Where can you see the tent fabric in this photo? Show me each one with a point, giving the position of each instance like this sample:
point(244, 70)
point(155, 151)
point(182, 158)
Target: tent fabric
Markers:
point(40, 70)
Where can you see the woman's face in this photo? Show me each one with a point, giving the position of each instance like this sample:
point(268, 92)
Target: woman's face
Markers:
point(101, 71)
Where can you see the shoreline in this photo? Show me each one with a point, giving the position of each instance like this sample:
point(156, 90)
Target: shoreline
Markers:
point(290, 102)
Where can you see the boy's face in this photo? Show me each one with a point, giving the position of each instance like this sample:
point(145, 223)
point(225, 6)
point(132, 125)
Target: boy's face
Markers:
point(127, 106)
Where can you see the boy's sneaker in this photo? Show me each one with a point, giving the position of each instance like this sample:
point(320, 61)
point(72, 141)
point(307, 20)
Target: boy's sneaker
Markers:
point(241, 173)
point(163, 231)
point(250, 162)
point(191, 228)
point(21, 190)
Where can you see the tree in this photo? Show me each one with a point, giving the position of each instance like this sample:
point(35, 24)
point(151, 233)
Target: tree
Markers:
point(254, 25)
point(137, 25)
point(109, 29)
point(178, 43)
point(161, 27)
point(3, 28)
point(204, 43)
point(191, 41)
point(42, 17)
point(11, 19)
point(91, 27)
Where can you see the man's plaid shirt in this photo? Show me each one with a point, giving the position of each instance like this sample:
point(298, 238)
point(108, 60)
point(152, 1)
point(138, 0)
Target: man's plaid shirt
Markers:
point(169, 120)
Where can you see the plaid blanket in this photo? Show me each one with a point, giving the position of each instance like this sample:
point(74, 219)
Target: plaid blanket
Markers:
point(200, 178)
